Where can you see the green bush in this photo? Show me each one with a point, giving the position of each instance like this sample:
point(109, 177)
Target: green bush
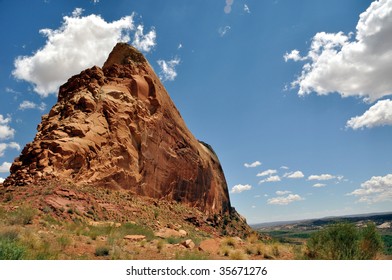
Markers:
point(11, 251)
point(102, 251)
point(387, 240)
point(9, 248)
point(343, 241)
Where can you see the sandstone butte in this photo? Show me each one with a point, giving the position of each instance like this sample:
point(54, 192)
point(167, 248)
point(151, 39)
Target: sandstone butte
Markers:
point(116, 127)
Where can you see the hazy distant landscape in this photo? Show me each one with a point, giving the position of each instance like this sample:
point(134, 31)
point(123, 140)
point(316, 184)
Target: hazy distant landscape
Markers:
point(298, 232)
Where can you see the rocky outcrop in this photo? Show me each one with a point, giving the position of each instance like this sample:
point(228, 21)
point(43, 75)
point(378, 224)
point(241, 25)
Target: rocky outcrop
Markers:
point(116, 127)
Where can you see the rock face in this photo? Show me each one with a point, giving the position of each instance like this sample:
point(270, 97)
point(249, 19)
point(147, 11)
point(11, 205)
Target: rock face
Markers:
point(117, 127)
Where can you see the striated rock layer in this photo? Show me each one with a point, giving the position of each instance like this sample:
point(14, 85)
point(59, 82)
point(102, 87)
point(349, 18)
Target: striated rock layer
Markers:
point(117, 127)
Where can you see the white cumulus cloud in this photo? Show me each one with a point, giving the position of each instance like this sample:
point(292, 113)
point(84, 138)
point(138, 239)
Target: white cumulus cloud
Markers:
point(144, 42)
point(378, 115)
point(355, 64)
point(5, 167)
point(1, 180)
point(266, 173)
point(351, 65)
point(240, 188)
point(377, 189)
point(319, 185)
point(293, 55)
point(168, 69)
point(31, 105)
point(294, 175)
point(253, 164)
point(285, 200)
point(275, 178)
point(80, 42)
point(322, 177)
point(11, 145)
point(6, 131)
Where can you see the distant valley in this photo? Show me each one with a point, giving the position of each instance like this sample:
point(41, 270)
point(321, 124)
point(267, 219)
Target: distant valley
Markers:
point(297, 232)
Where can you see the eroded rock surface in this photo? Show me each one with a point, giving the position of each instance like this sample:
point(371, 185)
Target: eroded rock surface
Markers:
point(117, 127)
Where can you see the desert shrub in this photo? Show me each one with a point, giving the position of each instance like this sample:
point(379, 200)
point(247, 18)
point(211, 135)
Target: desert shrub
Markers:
point(249, 250)
point(174, 240)
point(102, 251)
point(63, 241)
point(259, 249)
point(11, 250)
point(387, 240)
point(229, 241)
point(370, 242)
point(253, 238)
point(225, 251)
point(160, 245)
point(24, 215)
point(275, 250)
point(237, 255)
point(343, 241)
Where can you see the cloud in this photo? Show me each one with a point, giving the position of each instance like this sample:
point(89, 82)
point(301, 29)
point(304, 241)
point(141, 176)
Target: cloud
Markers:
point(284, 200)
point(282, 192)
point(322, 177)
point(270, 179)
point(352, 66)
point(223, 30)
point(144, 42)
point(168, 71)
point(378, 115)
point(377, 189)
point(294, 175)
point(5, 167)
point(4, 120)
point(293, 55)
point(6, 131)
point(319, 185)
point(80, 42)
point(2, 180)
point(253, 164)
point(4, 146)
point(227, 8)
point(240, 188)
point(246, 9)
point(31, 105)
point(284, 167)
point(266, 173)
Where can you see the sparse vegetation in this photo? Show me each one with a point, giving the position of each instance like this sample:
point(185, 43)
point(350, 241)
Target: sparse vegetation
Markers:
point(237, 255)
point(343, 241)
point(9, 247)
point(23, 215)
point(102, 251)
point(229, 242)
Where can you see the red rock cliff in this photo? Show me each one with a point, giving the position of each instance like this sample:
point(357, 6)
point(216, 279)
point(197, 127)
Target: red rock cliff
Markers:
point(117, 127)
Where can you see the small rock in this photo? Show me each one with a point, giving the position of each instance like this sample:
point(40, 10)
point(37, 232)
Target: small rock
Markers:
point(168, 232)
point(182, 233)
point(134, 237)
point(188, 244)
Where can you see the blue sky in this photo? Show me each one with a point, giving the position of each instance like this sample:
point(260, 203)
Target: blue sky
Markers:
point(294, 96)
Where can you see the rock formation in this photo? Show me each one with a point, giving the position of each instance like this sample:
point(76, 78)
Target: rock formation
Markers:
point(116, 127)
